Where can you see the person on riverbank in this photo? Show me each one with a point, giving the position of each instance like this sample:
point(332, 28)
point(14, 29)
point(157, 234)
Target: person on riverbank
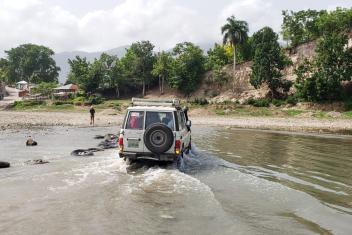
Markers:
point(92, 114)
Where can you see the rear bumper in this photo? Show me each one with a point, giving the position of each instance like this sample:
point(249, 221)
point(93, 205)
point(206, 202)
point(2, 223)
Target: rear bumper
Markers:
point(168, 157)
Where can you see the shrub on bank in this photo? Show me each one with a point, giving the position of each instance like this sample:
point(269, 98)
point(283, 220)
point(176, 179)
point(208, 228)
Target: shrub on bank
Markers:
point(78, 101)
point(259, 102)
point(200, 101)
point(276, 102)
point(62, 102)
point(28, 103)
point(94, 100)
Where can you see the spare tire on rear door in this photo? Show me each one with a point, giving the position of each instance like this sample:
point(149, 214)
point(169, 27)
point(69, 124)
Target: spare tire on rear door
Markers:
point(158, 138)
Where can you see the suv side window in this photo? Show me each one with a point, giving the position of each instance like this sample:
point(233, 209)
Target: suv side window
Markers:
point(181, 120)
point(135, 120)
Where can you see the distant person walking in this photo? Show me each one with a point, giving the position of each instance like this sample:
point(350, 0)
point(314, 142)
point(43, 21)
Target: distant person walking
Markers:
point(92, 113)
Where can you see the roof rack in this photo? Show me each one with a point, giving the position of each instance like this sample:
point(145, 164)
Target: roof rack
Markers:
point(148, 102)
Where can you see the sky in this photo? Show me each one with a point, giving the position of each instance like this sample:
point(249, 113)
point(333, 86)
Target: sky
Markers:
point(91, 25)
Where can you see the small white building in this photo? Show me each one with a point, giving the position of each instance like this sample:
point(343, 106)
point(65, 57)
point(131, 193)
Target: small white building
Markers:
point(22, 85)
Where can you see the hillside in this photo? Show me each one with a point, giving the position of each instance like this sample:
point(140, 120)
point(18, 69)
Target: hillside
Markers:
point(238, 87)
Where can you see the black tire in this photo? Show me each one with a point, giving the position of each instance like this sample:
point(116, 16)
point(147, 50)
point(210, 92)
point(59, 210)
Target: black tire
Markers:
point(158, 138)
point(4, 164)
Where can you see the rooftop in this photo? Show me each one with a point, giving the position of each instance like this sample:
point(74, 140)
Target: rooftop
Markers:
point(152, 108)
point(66, 87)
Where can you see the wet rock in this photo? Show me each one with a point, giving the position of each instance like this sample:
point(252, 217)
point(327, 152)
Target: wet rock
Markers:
point(106, 144)
point(99, 137)
point(36, 162)
point(82, 152)
point(4, 164)
point(31, 142)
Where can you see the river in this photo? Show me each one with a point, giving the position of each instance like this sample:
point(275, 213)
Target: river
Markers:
point(234, 181)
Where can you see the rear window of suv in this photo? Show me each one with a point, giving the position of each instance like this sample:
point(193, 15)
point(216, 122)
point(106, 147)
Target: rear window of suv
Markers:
point(166, 118)
point(135, 120)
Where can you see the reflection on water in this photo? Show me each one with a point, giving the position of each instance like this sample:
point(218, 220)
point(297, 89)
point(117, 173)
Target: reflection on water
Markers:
point(319, 166)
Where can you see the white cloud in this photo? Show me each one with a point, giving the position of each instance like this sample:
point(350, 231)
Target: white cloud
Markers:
point(258, 14)
point(161, 21)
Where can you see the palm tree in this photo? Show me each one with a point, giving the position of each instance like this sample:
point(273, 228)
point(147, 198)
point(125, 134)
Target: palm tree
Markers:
point(235, 32)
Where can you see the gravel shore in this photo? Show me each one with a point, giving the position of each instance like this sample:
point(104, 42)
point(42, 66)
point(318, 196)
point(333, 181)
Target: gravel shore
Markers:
point(15, 120)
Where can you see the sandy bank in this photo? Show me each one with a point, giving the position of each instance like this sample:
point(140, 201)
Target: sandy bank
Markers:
point(10, 120)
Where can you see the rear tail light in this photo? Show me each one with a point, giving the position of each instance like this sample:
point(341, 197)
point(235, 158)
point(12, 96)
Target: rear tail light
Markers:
point(177, 147)
point(120, 142)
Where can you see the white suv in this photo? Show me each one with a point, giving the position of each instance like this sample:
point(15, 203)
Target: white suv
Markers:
point(155, 129)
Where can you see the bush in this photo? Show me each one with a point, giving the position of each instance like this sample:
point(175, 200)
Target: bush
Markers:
point(28, 103)
point(78, 101)
point(259, 102)
point(278, 103)
point(94, 100)
point(348, 105)
point(292, 100)
point(200, 101)
point(62, 102)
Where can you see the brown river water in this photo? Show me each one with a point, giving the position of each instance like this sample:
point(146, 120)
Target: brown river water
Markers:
point(234, 181)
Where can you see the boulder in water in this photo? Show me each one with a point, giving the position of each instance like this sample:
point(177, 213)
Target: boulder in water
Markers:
point(31, 142)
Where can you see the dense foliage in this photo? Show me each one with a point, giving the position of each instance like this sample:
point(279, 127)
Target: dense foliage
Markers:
point(321, 78)
point(162, 68)
point(307, 25)
point(268, 62)
point(29, 62)
point(143, 60)
point(187, 67)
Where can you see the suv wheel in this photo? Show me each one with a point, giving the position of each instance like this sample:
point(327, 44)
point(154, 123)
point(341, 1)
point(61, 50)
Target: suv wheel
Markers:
point(158, 138)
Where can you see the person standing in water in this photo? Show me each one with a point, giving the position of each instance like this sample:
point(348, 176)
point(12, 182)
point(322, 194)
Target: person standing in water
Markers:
point(92, 113)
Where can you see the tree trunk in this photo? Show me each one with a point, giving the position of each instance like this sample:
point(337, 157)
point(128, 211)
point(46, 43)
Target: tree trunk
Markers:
point(143, 92)
point(117, 91)
point(162, 85)
point(160, 89)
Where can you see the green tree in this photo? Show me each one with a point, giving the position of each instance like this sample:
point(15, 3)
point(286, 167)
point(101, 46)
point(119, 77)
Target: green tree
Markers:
point(162, 68)
point(80, 74)
point(108, 62)
point(268, 62)
point(235, 32)
point(118, 79)
point(187, 67)
point(217, 56)
point(321, 79)
point(143, 62)
point(44, 88)
point(300, 27)
point(31, 63)
point(339, 20)
point(4, 70)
